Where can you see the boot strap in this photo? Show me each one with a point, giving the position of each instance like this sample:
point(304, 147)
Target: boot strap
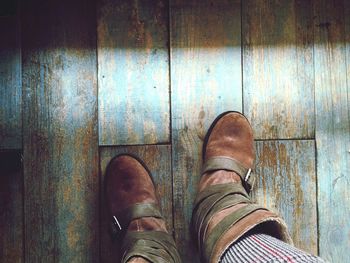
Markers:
point(121, 220)
point(215, 199)
point(230, 164)
point(155, 246)
point(225, 225)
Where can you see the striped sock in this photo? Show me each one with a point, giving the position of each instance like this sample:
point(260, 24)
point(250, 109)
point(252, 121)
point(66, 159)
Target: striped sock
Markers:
point(261, 248)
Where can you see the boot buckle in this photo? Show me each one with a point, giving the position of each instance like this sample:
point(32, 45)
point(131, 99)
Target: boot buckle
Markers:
point(115, 229)
point(246, 178)
point(249, 180)
point(116, 223)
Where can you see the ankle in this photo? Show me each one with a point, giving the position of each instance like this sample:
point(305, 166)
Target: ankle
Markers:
point(219, 216)
point(147, 224)
point(218, 177)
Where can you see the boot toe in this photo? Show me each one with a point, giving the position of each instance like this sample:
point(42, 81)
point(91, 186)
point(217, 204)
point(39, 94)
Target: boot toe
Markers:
point(128, 182)
point(231, 135)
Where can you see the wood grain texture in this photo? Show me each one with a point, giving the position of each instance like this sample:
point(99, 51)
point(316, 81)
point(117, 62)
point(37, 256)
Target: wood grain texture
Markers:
point(133, 72)
point(158, 160)
point(333, 127)
point(61, 184)
point(205, 81)
point(11, 207)
point(10, 84)
point(286, 183)
point(347, 37)
point(278, 74)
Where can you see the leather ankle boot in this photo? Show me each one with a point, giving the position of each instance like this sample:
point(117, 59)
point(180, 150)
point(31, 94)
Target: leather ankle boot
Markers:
point(135, 214)
point(223, 210)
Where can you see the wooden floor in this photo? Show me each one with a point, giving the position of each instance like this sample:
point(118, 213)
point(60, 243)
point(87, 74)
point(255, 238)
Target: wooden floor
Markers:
point(82, 81)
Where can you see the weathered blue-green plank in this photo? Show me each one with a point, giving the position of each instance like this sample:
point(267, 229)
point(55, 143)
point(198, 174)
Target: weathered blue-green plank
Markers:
point(133, 72)
point(278, 74)
point(205, 81)
point(11, 207)
point(61, 184)
point(10, 84)
point(333, 127)
point(286, 183)
point(158, 160)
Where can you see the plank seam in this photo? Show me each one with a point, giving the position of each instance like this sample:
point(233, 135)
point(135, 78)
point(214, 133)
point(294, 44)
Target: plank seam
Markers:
point(135, 145)
point(242, 64)
point(170, 121)
point(315, 130)
point(19, 21)
point(100, 182)
point(317, 207)
point(285, 139)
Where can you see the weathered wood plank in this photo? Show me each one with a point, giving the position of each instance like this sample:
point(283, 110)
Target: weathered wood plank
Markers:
point(8, 7)
point(278, 75)
point(205, 81)
point(61, 184)
point(11, 207)
point(10, 84)
point(158, 160)
point(347, 36)
point(286, 183)
point(133, 72)
point(332, 128)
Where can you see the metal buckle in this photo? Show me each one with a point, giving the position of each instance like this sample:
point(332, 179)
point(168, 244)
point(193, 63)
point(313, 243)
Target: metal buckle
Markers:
point(248, 175)
point(115, 229)
point(116, 223)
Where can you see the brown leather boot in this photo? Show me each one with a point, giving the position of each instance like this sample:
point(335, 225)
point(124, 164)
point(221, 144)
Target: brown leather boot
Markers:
point(134, 210)
point(223, 209)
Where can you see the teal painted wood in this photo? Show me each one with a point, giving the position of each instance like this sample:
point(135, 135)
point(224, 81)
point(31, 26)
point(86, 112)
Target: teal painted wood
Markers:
point(10, 84)
point(205, 81)
point(61, 183)
point(286, 183)
point(278, 74)
point(133, 72)
point(11, 207)
point(347, 35)
point(333, 128)
point(158, 160)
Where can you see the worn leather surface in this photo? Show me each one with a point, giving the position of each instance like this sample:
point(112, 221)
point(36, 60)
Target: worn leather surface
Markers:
point(128, 183)
point(138, 260)
point(232, 137)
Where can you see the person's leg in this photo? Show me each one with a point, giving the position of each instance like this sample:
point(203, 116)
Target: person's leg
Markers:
point(134, 211)
point(224, 212)
point(261, 248)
